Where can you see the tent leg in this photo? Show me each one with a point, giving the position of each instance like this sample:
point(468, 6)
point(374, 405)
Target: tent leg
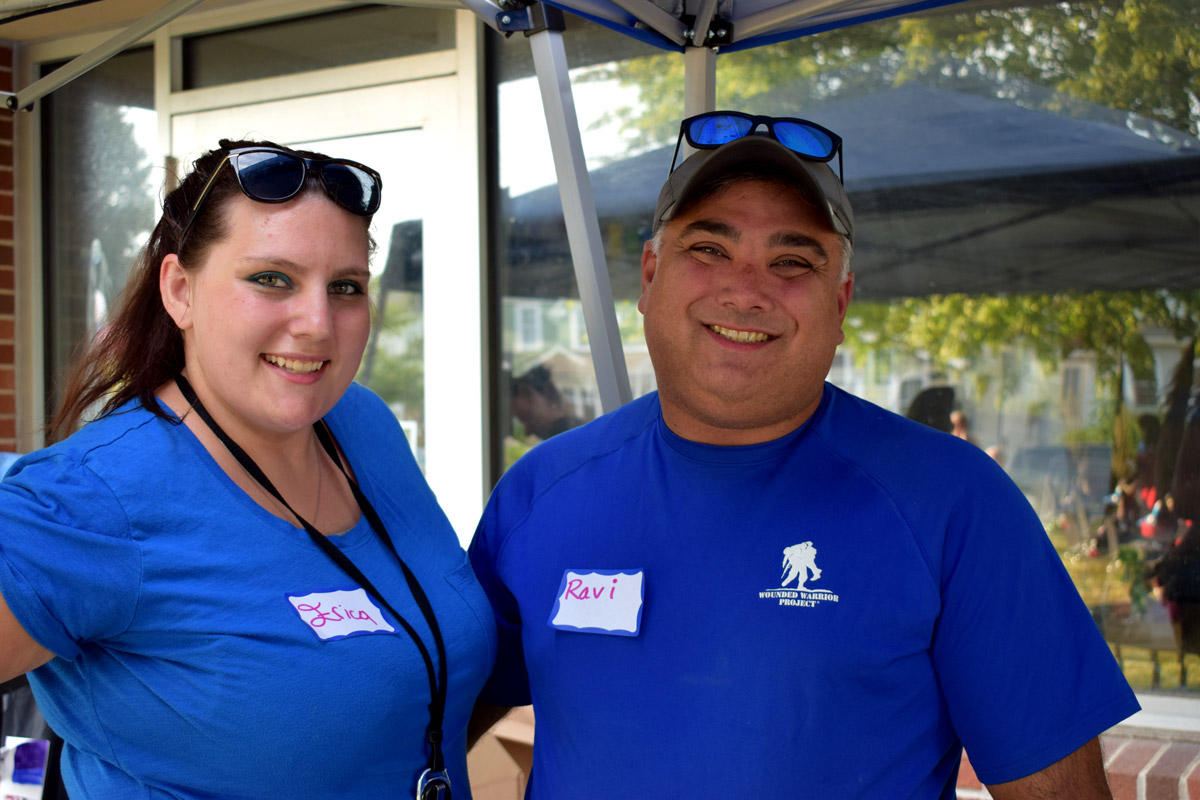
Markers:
point(583, 226)
point(699, 80)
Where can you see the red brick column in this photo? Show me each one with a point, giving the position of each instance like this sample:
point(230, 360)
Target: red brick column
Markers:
point(1139, 768)
point(8, 405)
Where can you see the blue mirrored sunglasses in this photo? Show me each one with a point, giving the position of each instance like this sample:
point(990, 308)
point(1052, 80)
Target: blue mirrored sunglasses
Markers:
point(268, 175)
point(806, 139)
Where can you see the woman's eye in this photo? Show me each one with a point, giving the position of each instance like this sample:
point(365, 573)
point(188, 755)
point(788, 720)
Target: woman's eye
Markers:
point(346, 288)
point(271, 280)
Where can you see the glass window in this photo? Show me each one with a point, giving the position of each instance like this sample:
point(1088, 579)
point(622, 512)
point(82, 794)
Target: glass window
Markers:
point(1026, 182)
point(314, 42)
point(546, 379)
point(101, 197)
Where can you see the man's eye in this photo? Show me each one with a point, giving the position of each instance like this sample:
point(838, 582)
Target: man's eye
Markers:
point(792, 265)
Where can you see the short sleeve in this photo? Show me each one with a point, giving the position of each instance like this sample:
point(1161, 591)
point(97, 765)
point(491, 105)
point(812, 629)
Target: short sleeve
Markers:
point(1027, 676)
point(69, 568)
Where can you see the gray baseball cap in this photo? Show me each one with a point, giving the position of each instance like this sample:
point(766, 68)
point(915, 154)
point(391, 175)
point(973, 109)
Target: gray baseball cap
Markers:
point(760, 154)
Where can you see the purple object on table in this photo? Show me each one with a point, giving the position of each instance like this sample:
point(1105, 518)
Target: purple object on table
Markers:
point(29, 762)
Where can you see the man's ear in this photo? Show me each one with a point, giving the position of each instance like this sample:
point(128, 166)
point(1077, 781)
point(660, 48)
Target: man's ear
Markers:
point(844, 293)
point(175, 286)
point(649, 265)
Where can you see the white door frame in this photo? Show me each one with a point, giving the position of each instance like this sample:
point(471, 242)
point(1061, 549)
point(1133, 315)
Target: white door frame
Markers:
point(440, 94)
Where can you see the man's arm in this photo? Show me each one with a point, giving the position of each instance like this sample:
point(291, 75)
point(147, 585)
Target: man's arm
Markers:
point(19, 653)
point(1079, 776)
point(482, 720)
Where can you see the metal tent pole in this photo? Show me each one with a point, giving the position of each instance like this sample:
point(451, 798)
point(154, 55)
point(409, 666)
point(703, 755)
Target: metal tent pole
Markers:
point(699, 80)
point(583, 226)
point(97, 55)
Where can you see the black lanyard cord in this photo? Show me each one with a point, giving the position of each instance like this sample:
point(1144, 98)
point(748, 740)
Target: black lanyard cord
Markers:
point(437, 681)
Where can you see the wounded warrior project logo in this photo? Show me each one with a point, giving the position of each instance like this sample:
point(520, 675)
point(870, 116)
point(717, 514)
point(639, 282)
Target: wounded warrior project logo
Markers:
point(799, 565)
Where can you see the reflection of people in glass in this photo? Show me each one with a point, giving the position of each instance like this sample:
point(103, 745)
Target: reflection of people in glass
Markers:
point(821, 578)
point(538, 404)
point(960, 426)
point(932, 407)
point(1175, 576)
point(170, 577)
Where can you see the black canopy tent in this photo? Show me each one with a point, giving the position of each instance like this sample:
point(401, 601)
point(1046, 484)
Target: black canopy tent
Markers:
point(952, 192)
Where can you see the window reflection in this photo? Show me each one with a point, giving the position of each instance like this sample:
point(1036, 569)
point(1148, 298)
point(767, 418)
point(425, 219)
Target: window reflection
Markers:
point(101, 197)
point(312, 42)
point(1025, 256)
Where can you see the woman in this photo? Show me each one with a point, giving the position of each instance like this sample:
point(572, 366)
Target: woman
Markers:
point(235, 582)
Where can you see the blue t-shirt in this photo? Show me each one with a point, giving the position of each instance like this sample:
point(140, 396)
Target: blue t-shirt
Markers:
point(207, 648)
point(830, 614)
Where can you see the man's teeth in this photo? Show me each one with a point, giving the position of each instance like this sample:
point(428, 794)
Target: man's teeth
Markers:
point(293, 365)
point(739, 336)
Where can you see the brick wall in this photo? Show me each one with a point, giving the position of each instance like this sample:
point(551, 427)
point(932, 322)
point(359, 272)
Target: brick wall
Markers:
point(1139, 768)
point(8, 404)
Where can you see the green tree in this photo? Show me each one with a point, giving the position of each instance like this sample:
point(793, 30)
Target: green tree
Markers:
point(955, 328)
point(1141, 56)
point(394, 364)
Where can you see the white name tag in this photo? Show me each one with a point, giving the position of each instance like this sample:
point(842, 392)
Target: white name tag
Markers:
point(338, 614)
point(600, 601)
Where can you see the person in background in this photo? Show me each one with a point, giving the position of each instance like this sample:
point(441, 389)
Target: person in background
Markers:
point(751, 583)
point(538, 404)
point(235, 581)
point(960, 426)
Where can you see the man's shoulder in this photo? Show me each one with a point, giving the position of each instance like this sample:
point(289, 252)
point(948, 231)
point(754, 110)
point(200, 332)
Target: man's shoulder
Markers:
point(578, 447)
point(888, 444)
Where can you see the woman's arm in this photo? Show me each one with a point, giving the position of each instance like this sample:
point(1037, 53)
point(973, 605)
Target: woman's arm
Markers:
point(19, 653)
point(482, 720)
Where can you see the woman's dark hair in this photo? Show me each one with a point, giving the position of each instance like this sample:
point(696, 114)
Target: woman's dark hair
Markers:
point(140, 348)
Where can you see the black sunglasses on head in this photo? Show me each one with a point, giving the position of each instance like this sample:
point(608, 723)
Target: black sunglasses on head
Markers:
point(806, 139)
point(272, 175)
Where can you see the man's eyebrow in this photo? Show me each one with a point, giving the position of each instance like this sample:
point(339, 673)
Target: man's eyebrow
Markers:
point(798, 240)
point(715, 227)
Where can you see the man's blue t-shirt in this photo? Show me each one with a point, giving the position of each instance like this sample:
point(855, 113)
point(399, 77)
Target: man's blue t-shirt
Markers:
point(206, 648)
point(830, 614)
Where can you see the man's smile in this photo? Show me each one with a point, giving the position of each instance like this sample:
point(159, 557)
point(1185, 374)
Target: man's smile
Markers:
point(739, 336)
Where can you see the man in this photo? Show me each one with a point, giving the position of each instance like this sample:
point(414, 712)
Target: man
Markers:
point(752, 584)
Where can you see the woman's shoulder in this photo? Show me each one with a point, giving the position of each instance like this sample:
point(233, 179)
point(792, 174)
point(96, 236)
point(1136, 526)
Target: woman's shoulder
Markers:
point(358, 400)
point(125, 428)
point(113, 448)
point(363, 423)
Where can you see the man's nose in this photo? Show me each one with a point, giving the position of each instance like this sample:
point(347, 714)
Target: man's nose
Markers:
point(744, 288)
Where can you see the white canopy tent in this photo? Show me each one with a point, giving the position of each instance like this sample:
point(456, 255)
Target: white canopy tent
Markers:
point(700, 29)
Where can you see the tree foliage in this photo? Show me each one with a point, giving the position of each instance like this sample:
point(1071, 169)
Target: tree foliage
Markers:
point(1141, 56)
